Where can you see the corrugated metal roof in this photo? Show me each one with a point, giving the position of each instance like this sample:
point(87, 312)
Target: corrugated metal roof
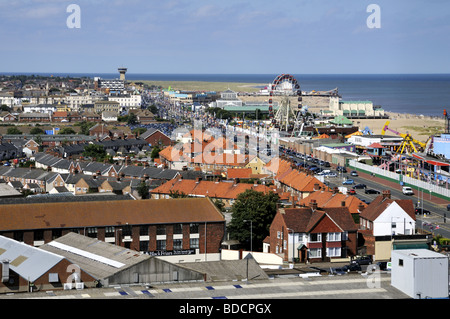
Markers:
point(98, 258)
point(28, 262)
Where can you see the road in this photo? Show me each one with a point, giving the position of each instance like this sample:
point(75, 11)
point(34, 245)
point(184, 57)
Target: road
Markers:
point(433, 222)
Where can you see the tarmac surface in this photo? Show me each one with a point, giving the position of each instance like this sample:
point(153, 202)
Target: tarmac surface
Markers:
point(282, 284)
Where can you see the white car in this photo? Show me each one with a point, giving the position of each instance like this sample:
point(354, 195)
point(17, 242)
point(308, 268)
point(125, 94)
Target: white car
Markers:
point(407, 190)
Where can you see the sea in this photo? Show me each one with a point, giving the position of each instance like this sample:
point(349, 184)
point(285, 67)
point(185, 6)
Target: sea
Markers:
point(426, 94)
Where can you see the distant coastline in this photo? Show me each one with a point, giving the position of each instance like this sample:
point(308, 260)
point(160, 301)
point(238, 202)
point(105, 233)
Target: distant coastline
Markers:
point(427, 94)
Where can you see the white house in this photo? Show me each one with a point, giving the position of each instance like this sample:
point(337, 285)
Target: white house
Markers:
point(386, 217)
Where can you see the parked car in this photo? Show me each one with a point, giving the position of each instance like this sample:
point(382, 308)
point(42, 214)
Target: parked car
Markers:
point(352, 267)
point(407, 190)
point(332, 174)
point(360, 186)
point(371, 191)
point(327, 164)
point(348, 182)
point(448, 207)
point(363, 260)
point(351, 192)
point(421, 211)
point(341, 169)
point(354, 173)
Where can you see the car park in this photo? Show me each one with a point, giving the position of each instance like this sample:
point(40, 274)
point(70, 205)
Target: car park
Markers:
point(371, 191)
point(348, 182)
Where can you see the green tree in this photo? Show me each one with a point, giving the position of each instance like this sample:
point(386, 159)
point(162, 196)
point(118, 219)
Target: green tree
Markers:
point(36, 131)
point(155, 152)
point(85, 127)
point(260, 209)
point(13, 131)
point(95, 151)
point(177, 194)
point(132, 119)
point(67, 131)
point(139, 130)
point(143, 190)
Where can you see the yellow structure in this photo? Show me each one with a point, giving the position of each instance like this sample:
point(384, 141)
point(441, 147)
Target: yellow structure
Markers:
point(409, 143)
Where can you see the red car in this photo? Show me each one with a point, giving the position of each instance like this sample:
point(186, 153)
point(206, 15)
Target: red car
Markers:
point(351, 192)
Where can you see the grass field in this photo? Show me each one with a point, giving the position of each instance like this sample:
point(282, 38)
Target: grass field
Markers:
point(206, 86)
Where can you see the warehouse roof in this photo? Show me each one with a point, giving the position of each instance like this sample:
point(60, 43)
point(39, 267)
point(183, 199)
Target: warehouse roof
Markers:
point(25, 260)
point(111, 213)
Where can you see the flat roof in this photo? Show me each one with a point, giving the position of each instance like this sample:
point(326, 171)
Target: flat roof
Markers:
point(419, 253)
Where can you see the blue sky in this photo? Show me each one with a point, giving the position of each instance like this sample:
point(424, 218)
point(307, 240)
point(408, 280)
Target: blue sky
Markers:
point(232, 36)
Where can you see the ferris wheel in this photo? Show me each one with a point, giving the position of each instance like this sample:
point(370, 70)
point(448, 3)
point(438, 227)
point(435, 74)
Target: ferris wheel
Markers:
point(285, 85)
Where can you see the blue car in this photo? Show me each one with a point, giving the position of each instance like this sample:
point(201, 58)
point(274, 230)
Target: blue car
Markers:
point(348, 182)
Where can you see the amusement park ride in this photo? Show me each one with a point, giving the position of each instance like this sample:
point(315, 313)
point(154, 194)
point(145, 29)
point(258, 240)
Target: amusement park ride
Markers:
point(409, 144)
point(286, 85)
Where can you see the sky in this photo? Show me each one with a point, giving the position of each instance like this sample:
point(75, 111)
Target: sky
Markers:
point(226, 37)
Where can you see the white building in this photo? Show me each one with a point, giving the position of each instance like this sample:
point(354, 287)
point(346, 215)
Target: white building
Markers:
point(420, 273)
point(40, 108)
point(7, 99)
point(76, 101)
point(366, 140)
point(227, 98)
point(386, 217)
point(353, 108)
point(129, 101)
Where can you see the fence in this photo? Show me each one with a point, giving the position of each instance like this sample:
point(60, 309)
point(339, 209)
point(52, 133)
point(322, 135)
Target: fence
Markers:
point(433, 189)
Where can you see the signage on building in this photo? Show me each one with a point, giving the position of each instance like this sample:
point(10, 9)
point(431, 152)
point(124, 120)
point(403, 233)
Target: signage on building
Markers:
point(172, 252)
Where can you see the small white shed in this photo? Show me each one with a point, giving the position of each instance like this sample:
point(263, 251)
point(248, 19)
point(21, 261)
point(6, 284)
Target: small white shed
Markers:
point(420, 273)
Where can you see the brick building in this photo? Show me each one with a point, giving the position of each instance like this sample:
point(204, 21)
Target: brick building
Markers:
point(312, 234)
point(176, 227)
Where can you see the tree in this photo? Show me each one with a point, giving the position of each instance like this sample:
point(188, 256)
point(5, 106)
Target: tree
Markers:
point(13, 131)
point(143, 190)
point(95, 151)
point(85, 127)
point(36, 131)
point(139, 130)
point(260, 209)
point(132, 119)
point(155, 152)
point(177, 194)
point(67, 131)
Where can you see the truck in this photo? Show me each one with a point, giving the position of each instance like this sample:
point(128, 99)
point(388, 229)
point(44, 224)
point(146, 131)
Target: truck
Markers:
point(407, 190)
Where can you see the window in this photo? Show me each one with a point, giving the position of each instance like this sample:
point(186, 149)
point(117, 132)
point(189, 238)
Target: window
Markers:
point(315, 253)
point(126, 230)
point(56, 233)
point(178, 228)
point(314, 238)
point(334, 237)
point(334, 252)
point(400, 262)
point(193, 228)
point(92, 232)
point(109, 231)
point(160, 245)
point(278, 234)
point(194, 243)
point(143, 231)
point(160, 230)
point(143, 245)
point(18, 236)
point(38, 235)
point(177, 244)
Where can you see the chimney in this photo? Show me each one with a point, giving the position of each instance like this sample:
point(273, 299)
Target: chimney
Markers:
point(313, 204)
point(360, 207)
point(386, 194)
point(5, 270)
point(335, 190)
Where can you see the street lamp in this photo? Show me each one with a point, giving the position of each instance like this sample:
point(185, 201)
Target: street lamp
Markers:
point(251, 233)
point(293, 244)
